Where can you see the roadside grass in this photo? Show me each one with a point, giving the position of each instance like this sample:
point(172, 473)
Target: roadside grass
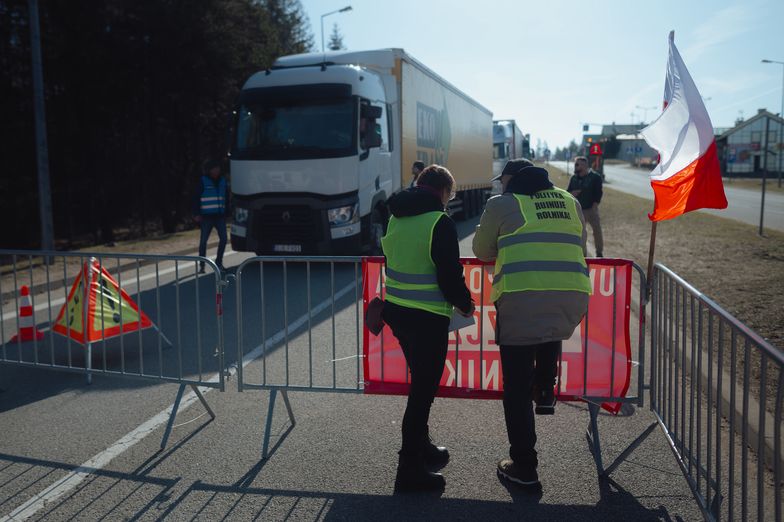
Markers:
point(771, 185)
point(724, 259)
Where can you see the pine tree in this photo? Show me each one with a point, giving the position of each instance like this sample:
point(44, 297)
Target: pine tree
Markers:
point(335, 40)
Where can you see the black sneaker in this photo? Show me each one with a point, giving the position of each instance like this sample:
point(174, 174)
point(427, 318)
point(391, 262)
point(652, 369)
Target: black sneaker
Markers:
point(412, 477)
point(435, 456)
point(201, 268)
point(523, 476)
point(545, 401)
point(599, 254)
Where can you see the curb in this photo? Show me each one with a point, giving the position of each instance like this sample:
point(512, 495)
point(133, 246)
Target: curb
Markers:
point(54, 284)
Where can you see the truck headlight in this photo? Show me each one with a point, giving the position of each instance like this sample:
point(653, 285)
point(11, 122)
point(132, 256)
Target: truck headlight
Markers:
point(240, 215)
point(343, 215)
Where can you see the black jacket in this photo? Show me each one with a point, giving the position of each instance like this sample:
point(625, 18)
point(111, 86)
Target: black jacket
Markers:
point(444, 249)
point(590, 187)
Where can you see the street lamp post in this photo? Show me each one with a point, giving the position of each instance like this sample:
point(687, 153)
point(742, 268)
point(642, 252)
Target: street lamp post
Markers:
point(780, 133)
point(347, 8)
point(645, 111)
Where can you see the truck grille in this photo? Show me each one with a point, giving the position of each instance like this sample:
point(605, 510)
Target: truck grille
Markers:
point(278, 224)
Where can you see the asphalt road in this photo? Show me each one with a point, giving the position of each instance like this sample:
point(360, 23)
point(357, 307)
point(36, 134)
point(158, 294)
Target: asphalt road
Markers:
point(743, 204)
point(72, 451)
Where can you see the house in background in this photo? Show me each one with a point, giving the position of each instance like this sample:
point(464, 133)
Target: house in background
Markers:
point(741, 148)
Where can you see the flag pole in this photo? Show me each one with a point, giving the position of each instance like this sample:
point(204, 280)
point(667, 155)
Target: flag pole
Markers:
point(651, 249)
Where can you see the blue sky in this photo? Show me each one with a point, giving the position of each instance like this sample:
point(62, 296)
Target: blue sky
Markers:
point(553, 65)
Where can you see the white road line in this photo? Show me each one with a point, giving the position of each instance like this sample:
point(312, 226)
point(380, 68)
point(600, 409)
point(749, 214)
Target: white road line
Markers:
point(99, 461)
point(11, 314)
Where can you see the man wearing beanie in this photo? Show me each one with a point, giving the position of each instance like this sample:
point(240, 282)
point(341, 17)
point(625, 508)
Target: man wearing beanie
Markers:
point(534, 232)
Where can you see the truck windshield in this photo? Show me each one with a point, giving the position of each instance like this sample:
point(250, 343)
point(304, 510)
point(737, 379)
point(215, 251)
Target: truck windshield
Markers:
point(275, 128)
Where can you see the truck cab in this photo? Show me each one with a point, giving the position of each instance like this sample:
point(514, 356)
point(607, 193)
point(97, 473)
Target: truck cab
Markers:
point(310, 158)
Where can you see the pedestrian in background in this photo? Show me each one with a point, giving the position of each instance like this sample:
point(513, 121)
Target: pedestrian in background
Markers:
point(210, 205)
point(416, 168)
point(424, 281)
point(586, 186)
point(534, 232)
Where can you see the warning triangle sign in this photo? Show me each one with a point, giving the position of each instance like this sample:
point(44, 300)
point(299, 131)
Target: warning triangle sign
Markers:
point(96, 304)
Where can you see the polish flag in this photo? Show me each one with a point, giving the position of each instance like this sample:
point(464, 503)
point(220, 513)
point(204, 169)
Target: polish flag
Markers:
point(688, 176)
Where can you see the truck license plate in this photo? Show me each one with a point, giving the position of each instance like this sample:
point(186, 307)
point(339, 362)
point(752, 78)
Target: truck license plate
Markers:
point(287, 248)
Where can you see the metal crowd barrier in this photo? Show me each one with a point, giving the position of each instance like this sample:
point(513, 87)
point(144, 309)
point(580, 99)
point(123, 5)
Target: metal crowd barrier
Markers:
point(300, 327)
point(145, 317)
point(717, 392)
point(305, 335)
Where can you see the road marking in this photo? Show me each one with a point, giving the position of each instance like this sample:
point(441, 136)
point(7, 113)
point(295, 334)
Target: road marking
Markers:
point(99, 461)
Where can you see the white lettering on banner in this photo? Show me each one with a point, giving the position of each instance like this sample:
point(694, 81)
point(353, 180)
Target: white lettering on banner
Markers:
point(475, 280)
point(606, 281)
point(490, 375)
point(468, 338)
point(490, 378)
point(450, 379)
point(574, 344)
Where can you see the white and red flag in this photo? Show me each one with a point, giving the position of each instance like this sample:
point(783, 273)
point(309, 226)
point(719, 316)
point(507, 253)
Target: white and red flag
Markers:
point(688, 176)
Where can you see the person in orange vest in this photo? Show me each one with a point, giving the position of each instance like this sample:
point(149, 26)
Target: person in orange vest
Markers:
point(424, 284)
point(210, 206)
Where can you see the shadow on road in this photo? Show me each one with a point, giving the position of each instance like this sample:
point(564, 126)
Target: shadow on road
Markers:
point(219, 502)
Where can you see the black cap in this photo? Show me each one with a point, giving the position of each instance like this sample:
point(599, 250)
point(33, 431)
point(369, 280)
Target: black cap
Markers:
point(517, 166)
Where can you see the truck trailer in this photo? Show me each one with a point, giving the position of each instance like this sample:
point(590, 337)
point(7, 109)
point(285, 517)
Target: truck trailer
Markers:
point(322, 140)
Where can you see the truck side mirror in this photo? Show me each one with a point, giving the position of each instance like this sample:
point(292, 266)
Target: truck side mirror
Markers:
point(370, 112)
point(373, 139)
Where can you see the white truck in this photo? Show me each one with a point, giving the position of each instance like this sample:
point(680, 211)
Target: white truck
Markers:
point(322, 140)
point(508, 143)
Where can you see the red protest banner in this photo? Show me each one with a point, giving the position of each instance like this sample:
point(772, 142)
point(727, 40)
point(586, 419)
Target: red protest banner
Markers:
point(595, 363)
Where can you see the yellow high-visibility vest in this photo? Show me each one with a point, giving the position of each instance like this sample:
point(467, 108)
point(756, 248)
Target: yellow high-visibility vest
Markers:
point(410, 271)
point(546, 253)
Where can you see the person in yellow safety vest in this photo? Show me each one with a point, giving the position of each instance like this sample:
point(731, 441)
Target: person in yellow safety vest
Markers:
point(534, 232)
point(424, 281)
point(210, 205)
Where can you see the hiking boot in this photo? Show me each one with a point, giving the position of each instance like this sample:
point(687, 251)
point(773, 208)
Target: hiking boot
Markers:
point(435, 456)
point(545, 401)
point(525, 476)
point(412, 476)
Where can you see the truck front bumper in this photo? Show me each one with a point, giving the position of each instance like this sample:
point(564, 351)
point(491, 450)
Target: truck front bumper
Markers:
point(286, 225)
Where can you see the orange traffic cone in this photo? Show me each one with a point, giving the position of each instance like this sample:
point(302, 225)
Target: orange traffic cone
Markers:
point(27, 329)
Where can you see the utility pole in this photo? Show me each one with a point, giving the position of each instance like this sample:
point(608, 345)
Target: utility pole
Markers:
point(41, 147)
point(764, 170)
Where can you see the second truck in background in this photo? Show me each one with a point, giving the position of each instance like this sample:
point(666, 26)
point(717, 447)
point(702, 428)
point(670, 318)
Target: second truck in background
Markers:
point(321, 142)
point(509, 143)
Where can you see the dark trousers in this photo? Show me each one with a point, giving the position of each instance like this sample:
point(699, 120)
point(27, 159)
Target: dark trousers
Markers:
point(423, 337)
point(523, 368)
point(208, 222)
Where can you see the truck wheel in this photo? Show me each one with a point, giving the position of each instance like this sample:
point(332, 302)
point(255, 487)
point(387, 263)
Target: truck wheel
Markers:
point(378, 227)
